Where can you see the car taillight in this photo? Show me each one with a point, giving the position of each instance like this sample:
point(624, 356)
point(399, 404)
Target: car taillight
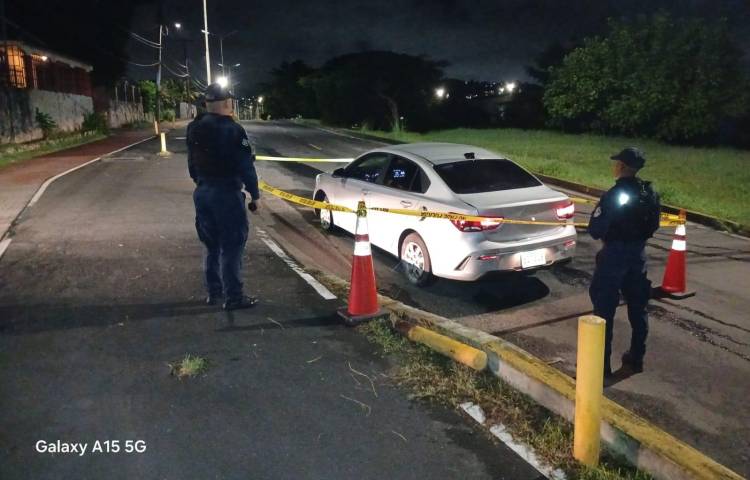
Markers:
point(477, 225)
point(566, 211)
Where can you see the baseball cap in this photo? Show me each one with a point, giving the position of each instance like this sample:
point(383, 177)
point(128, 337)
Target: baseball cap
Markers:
point(216, 93)
point(632, 157)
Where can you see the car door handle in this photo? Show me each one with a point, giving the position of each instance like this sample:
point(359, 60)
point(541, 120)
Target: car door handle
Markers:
point(405, 203)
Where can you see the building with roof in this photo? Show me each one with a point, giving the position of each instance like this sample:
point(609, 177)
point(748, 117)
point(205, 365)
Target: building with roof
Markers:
point(37, 79)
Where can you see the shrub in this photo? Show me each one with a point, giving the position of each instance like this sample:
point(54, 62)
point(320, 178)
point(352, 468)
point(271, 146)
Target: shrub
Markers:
point(95, 122)
point(167, 115)
point(46, 123)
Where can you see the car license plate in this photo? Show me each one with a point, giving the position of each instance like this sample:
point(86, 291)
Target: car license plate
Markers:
point(533, 258)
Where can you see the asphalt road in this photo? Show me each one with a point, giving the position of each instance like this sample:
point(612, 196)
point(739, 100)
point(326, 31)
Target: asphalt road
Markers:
point(698, 366)
point(101, 290)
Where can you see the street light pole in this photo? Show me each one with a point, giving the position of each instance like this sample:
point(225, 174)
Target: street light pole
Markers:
point(221, 49)
point(205, 35)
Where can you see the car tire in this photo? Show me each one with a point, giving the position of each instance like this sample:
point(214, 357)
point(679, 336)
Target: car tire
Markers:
point(415, 261)
point(324, 216)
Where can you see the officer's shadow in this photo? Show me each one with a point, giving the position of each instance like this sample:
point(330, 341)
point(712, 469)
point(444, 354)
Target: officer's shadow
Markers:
point(623, 373)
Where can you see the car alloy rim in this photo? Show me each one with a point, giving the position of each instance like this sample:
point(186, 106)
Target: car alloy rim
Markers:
point(414, 259)
point(325, 218)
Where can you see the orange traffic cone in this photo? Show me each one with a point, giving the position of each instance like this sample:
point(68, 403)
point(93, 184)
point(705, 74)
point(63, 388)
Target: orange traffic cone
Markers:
point(674, 283)
point(363, 296)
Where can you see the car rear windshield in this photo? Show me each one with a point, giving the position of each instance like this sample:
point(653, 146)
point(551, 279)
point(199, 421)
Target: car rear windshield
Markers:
point(478, 176)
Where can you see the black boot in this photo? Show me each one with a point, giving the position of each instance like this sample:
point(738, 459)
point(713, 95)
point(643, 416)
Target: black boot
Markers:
point(239, 303)
point(214, 298)
point(633, 363)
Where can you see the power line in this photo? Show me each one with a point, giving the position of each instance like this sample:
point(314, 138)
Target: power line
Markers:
point(145, 41)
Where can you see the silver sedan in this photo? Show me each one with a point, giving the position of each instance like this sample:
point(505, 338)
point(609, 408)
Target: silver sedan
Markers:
point(445, 177)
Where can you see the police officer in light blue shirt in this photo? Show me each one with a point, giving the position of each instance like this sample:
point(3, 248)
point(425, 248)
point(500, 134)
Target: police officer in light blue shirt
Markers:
point(626, 216)
point(220, 162)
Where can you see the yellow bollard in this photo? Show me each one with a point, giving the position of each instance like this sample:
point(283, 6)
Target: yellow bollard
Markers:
point(156, 128)
point(589, 386)
point(164, 151)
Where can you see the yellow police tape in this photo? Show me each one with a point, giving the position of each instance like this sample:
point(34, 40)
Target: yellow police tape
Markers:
point(317, 204)
point(304, 160)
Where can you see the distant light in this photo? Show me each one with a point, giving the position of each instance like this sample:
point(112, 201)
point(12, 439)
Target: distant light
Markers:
point(510, 86)
point(236, 64)
point(45, 58)
point(177, 25)
point(260, 99)
point(623, 198)
point(440, 92)
point(222, 81)
point(501, 90)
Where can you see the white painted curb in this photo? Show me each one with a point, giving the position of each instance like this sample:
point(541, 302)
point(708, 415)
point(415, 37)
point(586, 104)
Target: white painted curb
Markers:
point(523, 451)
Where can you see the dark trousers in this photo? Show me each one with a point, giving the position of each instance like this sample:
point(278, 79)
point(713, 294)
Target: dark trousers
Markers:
point(621, 267)
point(222, 226)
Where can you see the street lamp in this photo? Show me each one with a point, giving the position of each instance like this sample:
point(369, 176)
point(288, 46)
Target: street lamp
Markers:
point(440, 93)
point(222, 81)
point(177, 25)
point(510, 86)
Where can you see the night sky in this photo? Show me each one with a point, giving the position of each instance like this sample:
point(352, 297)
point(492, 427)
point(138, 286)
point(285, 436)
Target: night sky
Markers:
point(482, 40)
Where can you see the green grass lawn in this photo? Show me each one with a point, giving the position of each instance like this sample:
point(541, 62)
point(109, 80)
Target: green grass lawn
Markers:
point(715, 181)
point(17, 153)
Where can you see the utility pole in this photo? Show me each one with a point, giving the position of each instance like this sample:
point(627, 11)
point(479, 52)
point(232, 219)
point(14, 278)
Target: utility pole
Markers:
point(158, 77)
point(7, 72)
point(205, 35)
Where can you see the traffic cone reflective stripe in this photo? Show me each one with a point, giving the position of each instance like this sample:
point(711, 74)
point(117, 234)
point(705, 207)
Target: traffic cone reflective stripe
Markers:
point(674, 284)
point(363, 296)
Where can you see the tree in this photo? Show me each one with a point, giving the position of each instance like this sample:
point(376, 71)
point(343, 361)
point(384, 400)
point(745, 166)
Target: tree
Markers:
point(377, 88)
point(673, 79)
point(289, 94)
point(148, 95)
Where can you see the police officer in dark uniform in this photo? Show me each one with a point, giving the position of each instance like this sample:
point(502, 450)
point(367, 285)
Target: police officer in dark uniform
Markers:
point(220, 162)
point(625, 217)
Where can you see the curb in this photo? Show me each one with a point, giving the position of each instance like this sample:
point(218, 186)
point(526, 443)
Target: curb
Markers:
point(693, 216)
point(644, 445)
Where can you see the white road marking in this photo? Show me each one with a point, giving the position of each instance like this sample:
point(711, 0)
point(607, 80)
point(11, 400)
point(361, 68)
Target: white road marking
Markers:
point(5, 242)
point(315, 146)
point(322, 290)
point(500, 431)
point(49, 181)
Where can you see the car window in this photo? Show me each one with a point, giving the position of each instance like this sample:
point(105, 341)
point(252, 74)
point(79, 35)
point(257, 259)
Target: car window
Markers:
point(478, 176)
point(401, 174)
point(369, 168)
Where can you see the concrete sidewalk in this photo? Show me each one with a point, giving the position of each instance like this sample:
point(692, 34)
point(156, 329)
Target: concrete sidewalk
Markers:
point(19, 181)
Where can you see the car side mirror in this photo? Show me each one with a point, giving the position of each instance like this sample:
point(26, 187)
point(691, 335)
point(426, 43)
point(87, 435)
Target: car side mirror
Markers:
point(339, 172)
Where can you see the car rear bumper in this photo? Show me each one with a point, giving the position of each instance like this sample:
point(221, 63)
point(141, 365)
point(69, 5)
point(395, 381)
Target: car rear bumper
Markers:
point(494, 257)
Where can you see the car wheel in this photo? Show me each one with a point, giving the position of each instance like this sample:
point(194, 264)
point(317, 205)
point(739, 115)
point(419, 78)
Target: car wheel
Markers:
point(325, 216)
point(415, 260)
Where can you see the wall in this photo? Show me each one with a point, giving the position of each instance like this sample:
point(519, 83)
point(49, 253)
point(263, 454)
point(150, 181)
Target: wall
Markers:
point(120, 113)
point(66, 109)
point(186, 110)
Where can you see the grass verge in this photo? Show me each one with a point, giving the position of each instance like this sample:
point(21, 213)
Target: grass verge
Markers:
point(190, 366)
point(432, 377)
point(714, 181)
point(10, 154)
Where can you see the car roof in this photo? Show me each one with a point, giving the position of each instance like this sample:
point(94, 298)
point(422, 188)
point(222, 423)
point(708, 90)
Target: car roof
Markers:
point(438, 153)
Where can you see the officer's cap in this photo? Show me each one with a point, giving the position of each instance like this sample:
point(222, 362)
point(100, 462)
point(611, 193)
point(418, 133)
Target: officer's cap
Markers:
point(632, 157)
point(216, 93)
